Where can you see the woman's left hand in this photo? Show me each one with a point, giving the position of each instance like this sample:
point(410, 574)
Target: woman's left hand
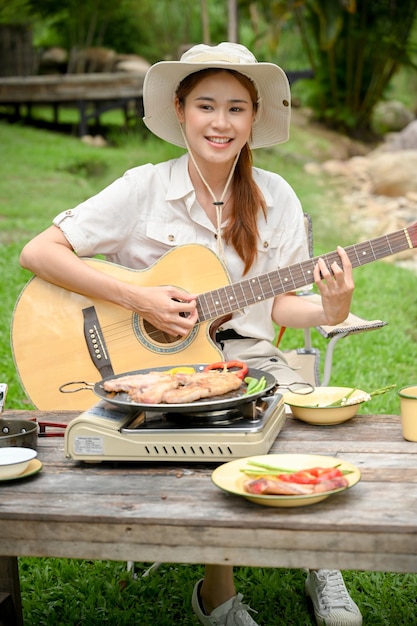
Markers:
point(336, 287)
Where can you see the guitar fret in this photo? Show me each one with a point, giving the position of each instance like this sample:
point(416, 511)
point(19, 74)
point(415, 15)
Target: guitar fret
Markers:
point(308, 275)
point(287, 279)
point(266, 286)
point(256, 288)
point(251, 299)
point(218, 302)
point(240, 295)
point(229, 301)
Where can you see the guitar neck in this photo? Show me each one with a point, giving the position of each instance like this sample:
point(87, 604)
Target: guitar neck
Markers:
point(226, 300)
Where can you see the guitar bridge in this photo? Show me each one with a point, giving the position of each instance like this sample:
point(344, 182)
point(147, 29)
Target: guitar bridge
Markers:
point(95, 343)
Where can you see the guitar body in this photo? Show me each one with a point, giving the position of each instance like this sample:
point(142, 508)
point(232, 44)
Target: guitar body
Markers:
point(47, 335)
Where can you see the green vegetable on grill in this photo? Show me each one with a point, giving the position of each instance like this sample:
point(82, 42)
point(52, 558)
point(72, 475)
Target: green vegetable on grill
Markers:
point(254, 385)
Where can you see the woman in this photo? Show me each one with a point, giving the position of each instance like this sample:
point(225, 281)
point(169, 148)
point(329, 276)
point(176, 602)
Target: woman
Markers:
point(218, 103)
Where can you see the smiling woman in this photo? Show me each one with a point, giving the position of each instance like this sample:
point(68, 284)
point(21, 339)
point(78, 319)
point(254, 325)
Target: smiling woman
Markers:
point(213, 199)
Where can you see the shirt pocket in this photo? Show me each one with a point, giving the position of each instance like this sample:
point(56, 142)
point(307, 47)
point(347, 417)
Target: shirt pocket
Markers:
point(173, 233)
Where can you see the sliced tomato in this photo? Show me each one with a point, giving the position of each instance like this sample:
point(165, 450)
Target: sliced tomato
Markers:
point(312, 475)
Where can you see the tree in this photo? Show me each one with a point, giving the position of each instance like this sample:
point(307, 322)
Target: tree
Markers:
point(355, 47)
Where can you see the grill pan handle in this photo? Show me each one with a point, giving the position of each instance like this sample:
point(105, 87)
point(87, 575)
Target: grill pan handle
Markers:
point(82, 386)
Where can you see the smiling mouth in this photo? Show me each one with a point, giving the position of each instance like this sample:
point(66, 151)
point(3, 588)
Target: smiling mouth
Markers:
point(219, 140)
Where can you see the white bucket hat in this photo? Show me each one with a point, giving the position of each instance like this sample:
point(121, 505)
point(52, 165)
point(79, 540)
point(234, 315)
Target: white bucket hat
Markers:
point(272, 122)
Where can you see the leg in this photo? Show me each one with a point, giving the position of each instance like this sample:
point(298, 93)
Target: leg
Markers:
point(218, 586)
point(215, 601)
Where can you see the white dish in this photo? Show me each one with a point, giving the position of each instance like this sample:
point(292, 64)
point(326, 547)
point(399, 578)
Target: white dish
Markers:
point(33, 467)
point(14, 460)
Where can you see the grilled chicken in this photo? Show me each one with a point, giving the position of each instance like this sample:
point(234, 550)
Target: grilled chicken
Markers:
point(135, 381)
point(203, 385)
point(160, 388)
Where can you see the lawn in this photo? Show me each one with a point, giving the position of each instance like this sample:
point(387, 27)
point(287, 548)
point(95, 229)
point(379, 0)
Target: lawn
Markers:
point(44, 172)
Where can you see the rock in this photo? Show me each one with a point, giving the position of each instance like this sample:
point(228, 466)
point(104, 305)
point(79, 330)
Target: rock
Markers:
point(390, 116)
point(378, 190)
point(393, 173)
point(405, 140)
point(97, 141)
point(131, 63)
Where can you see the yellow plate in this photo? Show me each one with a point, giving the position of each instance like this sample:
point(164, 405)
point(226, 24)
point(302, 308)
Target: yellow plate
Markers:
point(230, 478)
point(34, 467)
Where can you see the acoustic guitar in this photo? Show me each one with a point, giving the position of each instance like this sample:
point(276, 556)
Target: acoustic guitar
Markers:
point(61, 337)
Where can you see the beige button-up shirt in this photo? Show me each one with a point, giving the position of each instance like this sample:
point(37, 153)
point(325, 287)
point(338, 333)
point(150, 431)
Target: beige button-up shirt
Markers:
point(153, 208)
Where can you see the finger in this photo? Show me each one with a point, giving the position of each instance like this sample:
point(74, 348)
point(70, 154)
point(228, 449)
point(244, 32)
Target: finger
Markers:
point(321, 271)
point(344, 257)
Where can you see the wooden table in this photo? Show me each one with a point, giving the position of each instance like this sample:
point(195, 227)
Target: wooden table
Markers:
point(173, 513)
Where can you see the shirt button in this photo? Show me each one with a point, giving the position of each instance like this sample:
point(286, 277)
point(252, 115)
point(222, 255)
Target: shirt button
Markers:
point(171, 238)
point(266, 244)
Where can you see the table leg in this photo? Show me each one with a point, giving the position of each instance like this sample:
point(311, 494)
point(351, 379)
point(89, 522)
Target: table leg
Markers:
point(10, 601)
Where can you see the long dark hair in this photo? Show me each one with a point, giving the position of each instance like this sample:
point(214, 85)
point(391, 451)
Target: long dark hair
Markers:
point(241, 230)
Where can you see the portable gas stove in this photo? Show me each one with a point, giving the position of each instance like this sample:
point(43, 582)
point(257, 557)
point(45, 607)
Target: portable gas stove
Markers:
point(107, 432)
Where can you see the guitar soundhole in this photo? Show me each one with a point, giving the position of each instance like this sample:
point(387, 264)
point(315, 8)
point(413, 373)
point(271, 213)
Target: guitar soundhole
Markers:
point(156, 335)
point(156, 340)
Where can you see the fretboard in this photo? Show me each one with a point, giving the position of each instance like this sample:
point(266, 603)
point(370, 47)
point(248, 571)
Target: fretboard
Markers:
point(235, 296)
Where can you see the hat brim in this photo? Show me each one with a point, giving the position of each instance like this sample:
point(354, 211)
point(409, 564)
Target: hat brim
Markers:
point(272, 122)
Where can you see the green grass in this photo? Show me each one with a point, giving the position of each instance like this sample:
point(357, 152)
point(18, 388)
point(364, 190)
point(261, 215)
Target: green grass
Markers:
point(61, 592)
point(45, 172)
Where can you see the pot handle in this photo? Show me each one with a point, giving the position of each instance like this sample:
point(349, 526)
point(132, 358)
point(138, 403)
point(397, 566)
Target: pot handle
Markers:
point(82, 386)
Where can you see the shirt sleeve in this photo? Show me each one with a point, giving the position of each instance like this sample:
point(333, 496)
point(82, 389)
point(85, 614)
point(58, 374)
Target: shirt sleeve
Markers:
point(103, 223)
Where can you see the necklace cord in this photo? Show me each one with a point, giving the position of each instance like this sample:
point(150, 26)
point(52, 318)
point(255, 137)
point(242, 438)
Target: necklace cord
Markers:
point(217, 203)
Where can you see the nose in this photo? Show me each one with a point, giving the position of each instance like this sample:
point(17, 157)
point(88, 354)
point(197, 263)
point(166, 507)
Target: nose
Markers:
point(221, 118)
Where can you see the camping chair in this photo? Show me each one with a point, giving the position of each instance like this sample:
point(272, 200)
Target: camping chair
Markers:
point(306, 360)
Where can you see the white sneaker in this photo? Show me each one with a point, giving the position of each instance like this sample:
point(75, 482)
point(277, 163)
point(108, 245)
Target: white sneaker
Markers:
point(231, 613)
point(332, 603)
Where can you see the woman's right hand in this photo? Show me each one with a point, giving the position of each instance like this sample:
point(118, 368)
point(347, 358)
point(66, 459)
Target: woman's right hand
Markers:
point(169, 309)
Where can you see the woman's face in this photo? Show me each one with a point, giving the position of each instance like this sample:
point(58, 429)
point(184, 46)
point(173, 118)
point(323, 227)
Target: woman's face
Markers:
point(217, 118)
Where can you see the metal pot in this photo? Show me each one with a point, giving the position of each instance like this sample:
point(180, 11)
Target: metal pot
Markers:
point(18, 433)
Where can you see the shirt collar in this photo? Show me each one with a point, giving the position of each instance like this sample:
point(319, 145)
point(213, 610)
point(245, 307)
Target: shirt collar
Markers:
point(180, 184)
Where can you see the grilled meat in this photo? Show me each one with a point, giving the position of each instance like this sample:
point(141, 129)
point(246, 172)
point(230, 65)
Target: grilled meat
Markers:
point(134, 381)
point(203, 385)
point(270, 485)
point(159, 387)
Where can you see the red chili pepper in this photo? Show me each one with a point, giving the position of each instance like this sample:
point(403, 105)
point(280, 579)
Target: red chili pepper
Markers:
point(228, 365)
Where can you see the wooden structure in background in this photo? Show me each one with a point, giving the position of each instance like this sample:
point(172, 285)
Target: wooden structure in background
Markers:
point(91, 94)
